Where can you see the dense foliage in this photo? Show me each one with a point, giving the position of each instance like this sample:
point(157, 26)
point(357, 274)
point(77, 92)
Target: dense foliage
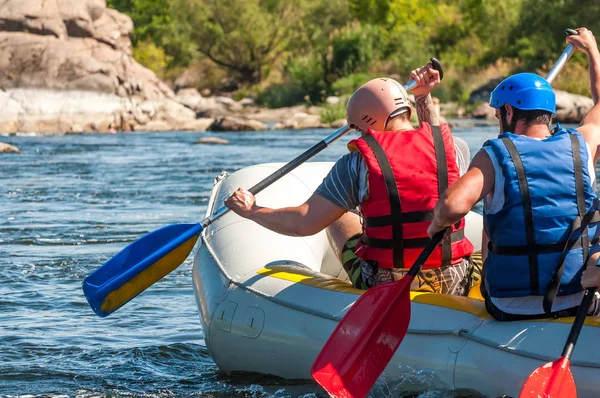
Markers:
point(299, 51)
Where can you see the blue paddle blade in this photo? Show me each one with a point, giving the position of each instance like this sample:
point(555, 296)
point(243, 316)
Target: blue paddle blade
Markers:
point(138, 266)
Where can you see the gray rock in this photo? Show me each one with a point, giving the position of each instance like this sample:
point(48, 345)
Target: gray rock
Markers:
point(245, 102)
point(212, 140)
point(230, 123)
point(482, 94)
point(7, 148)
point(332, 100)
point(71, 45)
point(273, 115)
point(338, 123)
point(50, 112)
point(300, 121)
point(571, 108)
point(484, 111)
point(201, 124)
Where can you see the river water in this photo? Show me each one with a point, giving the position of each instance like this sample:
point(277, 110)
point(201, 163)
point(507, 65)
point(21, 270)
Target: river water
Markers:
point(69, 203)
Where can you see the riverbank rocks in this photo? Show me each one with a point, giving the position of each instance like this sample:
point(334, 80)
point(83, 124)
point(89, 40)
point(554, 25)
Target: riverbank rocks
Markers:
point(231, 123)
point(484, 111)
point(571, 108)
point(300, 121)
point(53, 112)
point(338, 123)
point(212, 141)
point(7, 148)
point(482, 94)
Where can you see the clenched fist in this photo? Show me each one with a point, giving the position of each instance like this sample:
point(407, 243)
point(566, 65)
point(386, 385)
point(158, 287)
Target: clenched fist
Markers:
point(242, 202)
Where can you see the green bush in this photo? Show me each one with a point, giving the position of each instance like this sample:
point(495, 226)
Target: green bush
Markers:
point(309, 75)
point(353, 48)
point(280, 95)
point(331, 113)
point(152, 57)
point(348, 84)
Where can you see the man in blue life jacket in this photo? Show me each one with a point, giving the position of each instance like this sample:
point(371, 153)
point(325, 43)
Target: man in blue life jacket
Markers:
point(540, 206)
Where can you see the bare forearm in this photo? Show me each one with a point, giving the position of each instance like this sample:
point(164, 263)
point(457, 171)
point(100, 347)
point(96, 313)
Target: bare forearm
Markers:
point(594, 57)
point(426, 111)
point(449, 211)
point(286, 221)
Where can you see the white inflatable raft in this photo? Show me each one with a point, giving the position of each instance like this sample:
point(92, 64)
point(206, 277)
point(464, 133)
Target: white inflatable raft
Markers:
point(269, 302)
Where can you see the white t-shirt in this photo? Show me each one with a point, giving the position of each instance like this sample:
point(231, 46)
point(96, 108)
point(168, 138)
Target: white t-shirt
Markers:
point(493, 203)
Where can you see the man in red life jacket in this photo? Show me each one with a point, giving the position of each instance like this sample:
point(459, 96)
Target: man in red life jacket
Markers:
point(394, 174)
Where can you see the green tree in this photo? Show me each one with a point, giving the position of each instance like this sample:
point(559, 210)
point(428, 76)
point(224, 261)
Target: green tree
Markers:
point(245, 36)
point(154, 21)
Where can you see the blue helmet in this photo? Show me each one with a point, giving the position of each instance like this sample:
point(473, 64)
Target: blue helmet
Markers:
point(526, 91)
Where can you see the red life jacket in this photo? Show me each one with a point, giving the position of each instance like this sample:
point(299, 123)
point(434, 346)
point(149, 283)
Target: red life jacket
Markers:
point(405, 183)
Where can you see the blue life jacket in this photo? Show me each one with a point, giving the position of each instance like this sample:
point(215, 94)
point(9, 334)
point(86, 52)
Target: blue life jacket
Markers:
point(548, 192)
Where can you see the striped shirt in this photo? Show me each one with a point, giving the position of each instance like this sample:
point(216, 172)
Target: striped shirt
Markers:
point(346, 184)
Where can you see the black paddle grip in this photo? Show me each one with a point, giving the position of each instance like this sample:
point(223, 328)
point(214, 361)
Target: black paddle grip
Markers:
point(582, 312)
point(309, 153)
point(437, 65)
point(571, 32)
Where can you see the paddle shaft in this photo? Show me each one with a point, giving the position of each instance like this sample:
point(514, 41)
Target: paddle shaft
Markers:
point(562, 60)
point(582, 312)
point(429, 248)
point(306, 155)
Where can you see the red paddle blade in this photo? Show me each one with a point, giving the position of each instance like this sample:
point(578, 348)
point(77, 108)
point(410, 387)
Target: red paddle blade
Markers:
point(364, 341)
point(553, 380)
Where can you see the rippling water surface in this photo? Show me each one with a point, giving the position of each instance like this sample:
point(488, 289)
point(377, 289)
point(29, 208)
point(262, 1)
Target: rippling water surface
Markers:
point(69, 203)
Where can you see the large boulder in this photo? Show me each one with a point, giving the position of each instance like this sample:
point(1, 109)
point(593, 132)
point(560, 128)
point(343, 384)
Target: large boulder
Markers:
point(571, 108)
point(67, 67)
point(300, 121)
point(71, 45)
point(482, 94)
point(484, 111)
point(230, 123)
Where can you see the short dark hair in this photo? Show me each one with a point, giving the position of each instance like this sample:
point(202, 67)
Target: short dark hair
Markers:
point(532, 118)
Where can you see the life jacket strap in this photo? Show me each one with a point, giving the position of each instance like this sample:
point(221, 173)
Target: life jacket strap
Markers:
point(406, 218)
point(527, 213)
point(580, 223)
point(394, 198)
point(414, 243)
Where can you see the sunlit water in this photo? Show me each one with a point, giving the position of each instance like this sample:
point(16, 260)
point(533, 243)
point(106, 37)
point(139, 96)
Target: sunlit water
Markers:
point(69, 203)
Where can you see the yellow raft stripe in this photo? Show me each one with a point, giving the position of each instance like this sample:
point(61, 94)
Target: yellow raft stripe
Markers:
point(150, 275)
point(472, 305)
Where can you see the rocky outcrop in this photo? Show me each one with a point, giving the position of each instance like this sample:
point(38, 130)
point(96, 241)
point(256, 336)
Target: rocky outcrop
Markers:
point(71, 45)
point(75, 111)
point(67, 67)
point(231, 123)
point(7, 148)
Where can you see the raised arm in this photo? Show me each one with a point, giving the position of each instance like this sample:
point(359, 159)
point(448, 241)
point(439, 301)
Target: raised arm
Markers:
point(590, 126)
point(427, 78)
